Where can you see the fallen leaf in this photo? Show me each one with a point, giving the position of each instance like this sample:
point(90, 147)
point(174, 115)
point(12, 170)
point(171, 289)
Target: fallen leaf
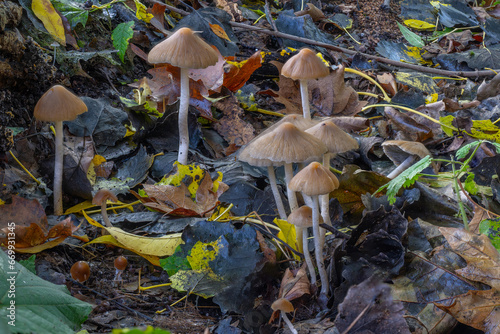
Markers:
point(51, 20)
point(240, 72)
point(234, 130)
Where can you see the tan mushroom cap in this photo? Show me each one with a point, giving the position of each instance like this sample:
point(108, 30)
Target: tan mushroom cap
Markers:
point(302, 217)
point(305, 65)
point(285, 144)
point(184, 49)
point(283, 305)
point(335, 139)
point(59, 104)
point(102, 196)
point(399, 150)
point(314, 180)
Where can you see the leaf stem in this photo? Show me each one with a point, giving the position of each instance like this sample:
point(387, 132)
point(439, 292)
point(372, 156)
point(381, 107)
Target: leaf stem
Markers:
point(457, 193)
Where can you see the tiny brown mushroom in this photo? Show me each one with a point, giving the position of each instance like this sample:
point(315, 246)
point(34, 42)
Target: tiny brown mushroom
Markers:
point(100, 198)
point(284, 306)
point(80, 271)
point(403, 154)
point(305, 65)
point(57, 105)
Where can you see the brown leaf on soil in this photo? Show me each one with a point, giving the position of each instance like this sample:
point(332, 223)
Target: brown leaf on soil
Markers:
point(269, 254)
point(314, 12)
point(294, 285)
point(351, 123)
point(328, 96)
point(239, 73)
point(489, 89)
point(234, 130)
point(408, 128)
point(478, 309)
point(30, 226)
point(453, 106)
point(212, 77)
point(388, 83)
point(177, 201)
point(231, 8)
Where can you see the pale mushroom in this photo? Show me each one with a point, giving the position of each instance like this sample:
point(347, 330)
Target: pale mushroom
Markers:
point(403, 154)
point(284, 306)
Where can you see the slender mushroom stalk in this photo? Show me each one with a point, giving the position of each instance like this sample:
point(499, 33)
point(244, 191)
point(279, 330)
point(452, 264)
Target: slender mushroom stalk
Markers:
point(316, 180)
point(403, 154)
point(100, 198)
point(58, 105)
point(292, 197)
point(185, 50)
point(276, 193)
point(304, 66)
point(337, 141)
point(284, 306)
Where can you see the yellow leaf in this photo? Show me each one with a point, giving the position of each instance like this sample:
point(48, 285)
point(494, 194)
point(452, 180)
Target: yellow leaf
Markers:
point(202, 253)
point(141, 12)
point(2, 202)
point(219, 213)
point(162, 246)
point(447, 120)
point(79, 207)
point(219, 31)
point(51, 20)
point(416, 53)
point(98, 159)
point(432, 98)
point(419, 25)
point(485, 130)
point(109, 240)
point(287, 234)
point(195, 172)
point(41, 247)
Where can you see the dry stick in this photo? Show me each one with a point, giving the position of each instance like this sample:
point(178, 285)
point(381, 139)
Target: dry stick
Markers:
point(468, 74)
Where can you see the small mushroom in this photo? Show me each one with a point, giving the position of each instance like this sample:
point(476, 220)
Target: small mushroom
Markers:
point(284, 306)
point(120, 265)
point(315, 180)
point(403, 154)
point(57, 105)
point(101, 198)
point(80, 271)
point(301, 218)
point(186, 50)
point(305, 65)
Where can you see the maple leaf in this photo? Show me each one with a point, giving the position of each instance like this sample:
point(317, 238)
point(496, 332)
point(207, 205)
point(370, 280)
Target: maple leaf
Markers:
point(477, 308)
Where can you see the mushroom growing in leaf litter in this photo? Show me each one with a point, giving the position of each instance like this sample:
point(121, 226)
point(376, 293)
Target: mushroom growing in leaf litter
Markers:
point(284, 306)
point(185, 50)
point(57, 105)
point(100, 198)
point(80, 271)
point(403, 154)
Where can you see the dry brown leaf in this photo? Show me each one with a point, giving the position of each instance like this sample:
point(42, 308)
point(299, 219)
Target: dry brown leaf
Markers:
point(408, 128)
point(388, 83)
point(239, 74)
point(234, 130)
point(294, 285)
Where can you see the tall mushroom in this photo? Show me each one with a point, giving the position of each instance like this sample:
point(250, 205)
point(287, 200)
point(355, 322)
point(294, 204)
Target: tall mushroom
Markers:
point(185, 50)
point(101, 198)
point(57, 105)
point(304, 66)
point(403, 154)
point(315, 180)
point(337, 141)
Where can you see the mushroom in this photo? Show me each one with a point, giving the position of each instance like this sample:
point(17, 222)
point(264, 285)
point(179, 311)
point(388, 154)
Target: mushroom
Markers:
point(186, 50)
point(80, 271)
point(100, 198)
point(57, 105)
point(285, 144)
point(403, 154)
point(284, 306)
point(315, 180)
point(337, 141)
point(301, 218)
point(305, 65)
point(120, 265)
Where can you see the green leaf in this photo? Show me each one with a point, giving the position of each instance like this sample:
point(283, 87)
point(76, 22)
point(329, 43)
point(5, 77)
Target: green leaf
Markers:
point(40, 306)
point(148, 330)
point(29, 263)
point(405, 179)
point(464, 150)
point(491, 228)
point(447, 120)
point(120, 36)
point(470, 185)
point(74, 11)
point(411, 37)
point(175, 262)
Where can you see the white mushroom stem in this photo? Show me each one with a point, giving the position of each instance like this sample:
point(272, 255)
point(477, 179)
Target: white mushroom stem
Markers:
point(405, 164)
point(288, 322)
point(292, 198)
point(307, 257)
point(58, 169)
point(318, 248)
point(276, 194)
point(183, 118)
point(104, 215)
point(325, 203)
point(304, 94)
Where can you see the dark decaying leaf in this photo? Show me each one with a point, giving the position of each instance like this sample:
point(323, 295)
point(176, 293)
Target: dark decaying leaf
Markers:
point(408, 128)
point(369, 308)
point(234, 130)
point(135, 170)
point(477, 59)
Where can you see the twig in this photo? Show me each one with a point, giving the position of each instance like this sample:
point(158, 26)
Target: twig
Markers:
point(469, 74)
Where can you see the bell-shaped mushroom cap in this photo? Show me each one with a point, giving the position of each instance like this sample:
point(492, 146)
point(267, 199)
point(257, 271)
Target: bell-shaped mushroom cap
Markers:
point(59, 104)
point(286, 144)
point(314, 180)
point(102, 196)
point(282, 305)
point(305, 65)
point(184, 49)
point(246, 154)
point(302, 217)
point(336, 140)
point(399, 150)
